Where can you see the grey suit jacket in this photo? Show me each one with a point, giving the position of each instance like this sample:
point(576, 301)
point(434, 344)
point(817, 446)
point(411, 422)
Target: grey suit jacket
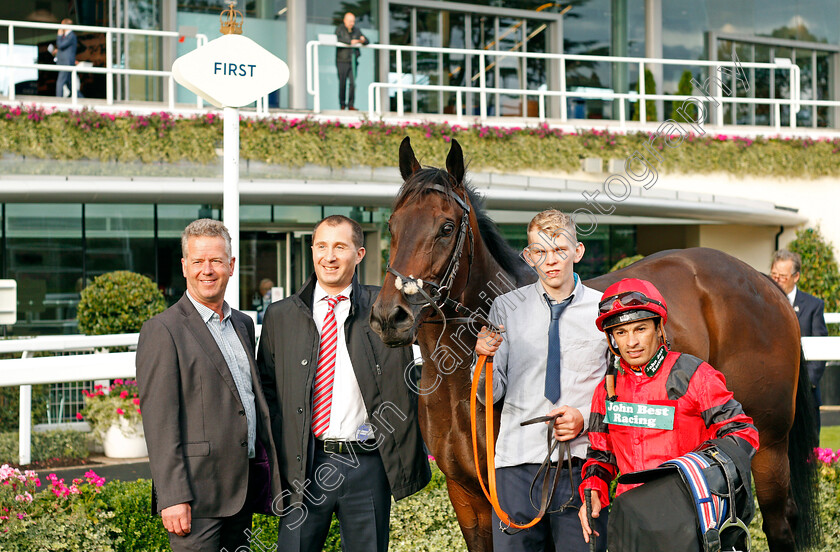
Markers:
point(194, 422)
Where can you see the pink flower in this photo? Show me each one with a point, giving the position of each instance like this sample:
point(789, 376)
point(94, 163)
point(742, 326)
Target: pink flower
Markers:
point(124, 395)
point(136, 401)
point(120, 411)
point(79, 416)
point(118, 382)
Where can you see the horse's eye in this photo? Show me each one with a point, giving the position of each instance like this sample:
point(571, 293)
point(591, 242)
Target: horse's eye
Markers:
point(447, 229)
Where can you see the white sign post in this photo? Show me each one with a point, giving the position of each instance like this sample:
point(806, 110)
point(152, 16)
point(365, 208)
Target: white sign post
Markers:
point(8, 302)
point(231, 72)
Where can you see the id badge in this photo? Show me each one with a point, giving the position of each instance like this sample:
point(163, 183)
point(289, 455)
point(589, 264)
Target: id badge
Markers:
point(364, 432)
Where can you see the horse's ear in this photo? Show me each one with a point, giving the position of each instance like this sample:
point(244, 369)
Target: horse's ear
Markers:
point(455, 162)
point(408, 163)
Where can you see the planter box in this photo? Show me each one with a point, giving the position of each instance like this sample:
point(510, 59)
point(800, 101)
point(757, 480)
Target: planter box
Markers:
point(124, 441)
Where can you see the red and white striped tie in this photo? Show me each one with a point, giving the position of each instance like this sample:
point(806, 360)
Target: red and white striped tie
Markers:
point(325, 374)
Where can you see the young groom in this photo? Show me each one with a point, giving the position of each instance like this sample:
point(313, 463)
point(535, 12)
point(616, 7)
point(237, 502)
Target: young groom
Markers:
point(548, 361)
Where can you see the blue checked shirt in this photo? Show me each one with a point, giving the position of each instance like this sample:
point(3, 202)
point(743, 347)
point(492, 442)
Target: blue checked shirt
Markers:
point(237, 360)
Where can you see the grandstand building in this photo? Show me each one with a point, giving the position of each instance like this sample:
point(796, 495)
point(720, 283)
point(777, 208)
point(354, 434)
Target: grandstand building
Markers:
point(512, 63)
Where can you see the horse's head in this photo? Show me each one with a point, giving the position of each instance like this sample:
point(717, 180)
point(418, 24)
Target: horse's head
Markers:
point(430, 230)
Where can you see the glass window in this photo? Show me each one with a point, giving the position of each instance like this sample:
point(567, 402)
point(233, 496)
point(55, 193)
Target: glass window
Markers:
point(260, 9)
point(309, 214)
point(331, 12)
point(45, 256)
point(120, 237)
point(254, 213)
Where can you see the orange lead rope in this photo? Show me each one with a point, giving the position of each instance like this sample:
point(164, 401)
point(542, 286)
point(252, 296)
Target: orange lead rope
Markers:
point(483, 363)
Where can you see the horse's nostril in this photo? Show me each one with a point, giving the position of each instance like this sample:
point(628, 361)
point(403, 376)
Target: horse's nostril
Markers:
point(400, 316)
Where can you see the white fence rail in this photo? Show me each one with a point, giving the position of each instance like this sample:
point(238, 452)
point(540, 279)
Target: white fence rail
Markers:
point(28, 371)
point(109, 70)
point(795, 102)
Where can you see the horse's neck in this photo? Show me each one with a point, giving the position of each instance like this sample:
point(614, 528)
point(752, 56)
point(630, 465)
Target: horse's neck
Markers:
point(450, 356)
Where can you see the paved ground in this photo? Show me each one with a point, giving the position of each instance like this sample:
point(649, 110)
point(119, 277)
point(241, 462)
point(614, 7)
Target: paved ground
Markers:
point(128, 469)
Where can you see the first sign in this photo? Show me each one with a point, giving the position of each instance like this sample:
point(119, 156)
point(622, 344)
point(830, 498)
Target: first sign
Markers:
point(231, 71)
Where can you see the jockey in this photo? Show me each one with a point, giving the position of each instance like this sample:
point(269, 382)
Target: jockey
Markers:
point(660, 405)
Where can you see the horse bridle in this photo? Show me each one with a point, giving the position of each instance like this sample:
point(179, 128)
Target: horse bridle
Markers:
point(440, 292)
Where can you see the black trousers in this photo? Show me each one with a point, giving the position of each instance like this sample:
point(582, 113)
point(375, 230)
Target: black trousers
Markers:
point(356, 488)
point(562, 528)
point(345, 73)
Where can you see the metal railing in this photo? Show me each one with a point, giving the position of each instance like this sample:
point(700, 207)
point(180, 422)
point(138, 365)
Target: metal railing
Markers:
point(109, 70)
point(795, 102)
point(27, 371)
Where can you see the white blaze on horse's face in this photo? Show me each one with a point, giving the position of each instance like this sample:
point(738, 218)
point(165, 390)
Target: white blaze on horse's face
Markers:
point(335, 256)
point(554, 257)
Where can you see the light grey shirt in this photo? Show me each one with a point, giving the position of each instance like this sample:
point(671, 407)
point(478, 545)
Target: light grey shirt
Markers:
point(519, 368)
point(236, 358)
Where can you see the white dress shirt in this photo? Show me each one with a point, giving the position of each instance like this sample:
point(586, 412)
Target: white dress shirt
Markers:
point(348, 411)
point(792, 296)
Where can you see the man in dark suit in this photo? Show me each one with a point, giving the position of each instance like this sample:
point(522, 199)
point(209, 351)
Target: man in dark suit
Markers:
point(346, 59)
point(344, 418)
point(207, 426)
point(809, 310)
point(67, 44)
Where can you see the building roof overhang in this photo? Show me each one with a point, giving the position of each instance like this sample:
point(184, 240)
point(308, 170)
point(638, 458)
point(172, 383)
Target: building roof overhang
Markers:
point(507, 192)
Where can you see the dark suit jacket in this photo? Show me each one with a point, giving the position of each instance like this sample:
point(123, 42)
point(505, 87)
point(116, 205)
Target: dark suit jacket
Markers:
point(287, 360)
point(810, 312)
point(194, 421)
point(67, 46)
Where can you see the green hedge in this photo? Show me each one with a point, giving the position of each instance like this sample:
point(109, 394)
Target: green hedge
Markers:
point(118, 302)
point(46, 445)
point(10, 406)
point(424, 522)
point(162, 138)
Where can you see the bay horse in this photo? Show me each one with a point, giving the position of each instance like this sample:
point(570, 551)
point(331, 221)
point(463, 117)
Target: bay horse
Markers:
point(720, 310)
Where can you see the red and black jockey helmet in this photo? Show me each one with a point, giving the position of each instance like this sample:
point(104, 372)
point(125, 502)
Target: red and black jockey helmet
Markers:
point(629, 300)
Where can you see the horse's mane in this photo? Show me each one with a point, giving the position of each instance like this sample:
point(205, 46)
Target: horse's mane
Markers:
point(508, 258)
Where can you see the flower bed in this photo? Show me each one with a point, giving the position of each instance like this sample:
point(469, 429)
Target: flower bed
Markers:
point(164, 138)
point(88, 515)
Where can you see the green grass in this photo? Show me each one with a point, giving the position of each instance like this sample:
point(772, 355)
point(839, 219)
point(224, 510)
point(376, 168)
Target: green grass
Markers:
point(830, 437)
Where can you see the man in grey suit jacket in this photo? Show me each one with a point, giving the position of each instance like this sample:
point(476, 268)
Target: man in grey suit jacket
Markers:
point(211, 451)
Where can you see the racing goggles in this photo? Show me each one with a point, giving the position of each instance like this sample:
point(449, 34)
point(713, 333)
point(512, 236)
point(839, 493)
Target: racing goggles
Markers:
point(627, 299)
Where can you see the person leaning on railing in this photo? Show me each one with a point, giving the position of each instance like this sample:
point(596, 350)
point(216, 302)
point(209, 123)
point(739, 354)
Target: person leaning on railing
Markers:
point(346, 59)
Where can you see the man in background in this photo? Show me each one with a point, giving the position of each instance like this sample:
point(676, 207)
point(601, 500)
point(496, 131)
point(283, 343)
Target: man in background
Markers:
point(345, 59)
point(809, 310)
point(67, 44)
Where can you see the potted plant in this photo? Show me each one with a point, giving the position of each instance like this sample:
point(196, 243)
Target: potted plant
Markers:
point(114, 415)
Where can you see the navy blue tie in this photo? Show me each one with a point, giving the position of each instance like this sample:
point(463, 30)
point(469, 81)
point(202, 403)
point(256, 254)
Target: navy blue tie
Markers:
point(552, 365)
